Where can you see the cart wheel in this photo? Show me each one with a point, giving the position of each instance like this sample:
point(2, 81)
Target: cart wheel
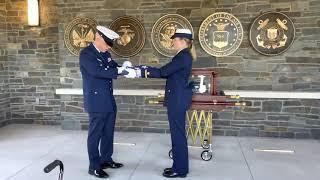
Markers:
point(206, 155)
point(170, 154)
point(205, 144)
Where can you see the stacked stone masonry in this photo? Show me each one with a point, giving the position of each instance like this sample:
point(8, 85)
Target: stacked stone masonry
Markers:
point(34, 62)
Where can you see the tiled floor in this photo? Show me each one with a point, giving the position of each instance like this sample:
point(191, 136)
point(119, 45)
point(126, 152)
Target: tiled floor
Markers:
point(26, 149)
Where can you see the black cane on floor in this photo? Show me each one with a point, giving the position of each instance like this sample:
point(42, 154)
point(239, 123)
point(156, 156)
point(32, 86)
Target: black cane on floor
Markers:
point(53, 165)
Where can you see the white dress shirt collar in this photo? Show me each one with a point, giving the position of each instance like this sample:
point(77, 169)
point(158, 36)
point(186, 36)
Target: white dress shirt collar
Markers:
point(96, 47)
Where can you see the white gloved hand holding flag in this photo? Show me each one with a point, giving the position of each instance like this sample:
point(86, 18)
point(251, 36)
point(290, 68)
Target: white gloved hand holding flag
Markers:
point(127, 66)
point(131, 73)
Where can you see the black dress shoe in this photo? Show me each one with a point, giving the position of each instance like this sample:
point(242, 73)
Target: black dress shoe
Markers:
point(98, 173)
point(167, 169)
point(113, 165)
point(171, 174)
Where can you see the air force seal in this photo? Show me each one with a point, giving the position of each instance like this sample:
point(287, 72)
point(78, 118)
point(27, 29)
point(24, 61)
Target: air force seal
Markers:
point(220, 34)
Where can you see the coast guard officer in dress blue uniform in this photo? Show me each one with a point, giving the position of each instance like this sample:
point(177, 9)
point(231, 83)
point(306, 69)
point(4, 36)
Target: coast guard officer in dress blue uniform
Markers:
point(98, 70)
point(178, 97)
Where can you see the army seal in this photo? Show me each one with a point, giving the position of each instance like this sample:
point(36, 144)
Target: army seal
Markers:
point(220, 34)
point(79, 33)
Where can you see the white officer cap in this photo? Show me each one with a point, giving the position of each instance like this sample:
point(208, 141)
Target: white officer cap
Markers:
point(107, 34)
point(183, 33)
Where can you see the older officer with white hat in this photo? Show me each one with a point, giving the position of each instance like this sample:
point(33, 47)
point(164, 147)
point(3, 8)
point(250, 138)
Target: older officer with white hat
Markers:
point(98, 70)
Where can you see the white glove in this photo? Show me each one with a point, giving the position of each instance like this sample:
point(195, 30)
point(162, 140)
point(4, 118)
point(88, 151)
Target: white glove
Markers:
point(120, 70)
point(127, 64)
point(131, 73)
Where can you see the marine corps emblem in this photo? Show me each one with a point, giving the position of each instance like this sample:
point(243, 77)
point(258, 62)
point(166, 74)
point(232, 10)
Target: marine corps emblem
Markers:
point(132, 36)
point(79, 33)
point(164, 28)
point(220, 34)
point(272, 33)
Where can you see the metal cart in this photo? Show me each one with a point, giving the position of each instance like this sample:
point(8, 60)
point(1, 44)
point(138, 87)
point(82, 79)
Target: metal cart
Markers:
point(205, 100)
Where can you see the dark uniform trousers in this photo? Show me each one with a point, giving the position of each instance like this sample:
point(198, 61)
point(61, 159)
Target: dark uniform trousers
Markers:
point(179, 141)
point(98, 70)
point(101, 130)
point(178, 98)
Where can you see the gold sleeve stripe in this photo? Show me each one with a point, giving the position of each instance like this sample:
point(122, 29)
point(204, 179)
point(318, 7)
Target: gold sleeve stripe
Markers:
point(146, 73)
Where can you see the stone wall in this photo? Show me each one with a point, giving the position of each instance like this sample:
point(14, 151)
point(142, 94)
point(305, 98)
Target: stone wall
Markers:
point(295, 70)
point(281, 118)
point(38, 63)
point(33, 64)
point(4, 88)
point(286, 118)
point(134, 114)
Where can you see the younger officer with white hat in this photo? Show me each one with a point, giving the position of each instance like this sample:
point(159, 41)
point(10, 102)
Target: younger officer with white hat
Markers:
point(98, 70)
point(178, 97)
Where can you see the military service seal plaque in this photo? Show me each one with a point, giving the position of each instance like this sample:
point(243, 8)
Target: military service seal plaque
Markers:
point(79, 33)
point(220, 34)
point(272, 33)
point(164, 28)
point(132, 36)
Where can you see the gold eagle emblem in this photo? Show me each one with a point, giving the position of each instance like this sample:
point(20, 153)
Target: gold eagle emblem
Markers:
point(79, 33)
point(84, 37)
point(126, 37)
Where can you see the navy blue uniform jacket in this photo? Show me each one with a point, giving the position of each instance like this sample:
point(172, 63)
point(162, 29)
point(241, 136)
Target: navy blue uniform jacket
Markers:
point(98, 70)
point(178, 94)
